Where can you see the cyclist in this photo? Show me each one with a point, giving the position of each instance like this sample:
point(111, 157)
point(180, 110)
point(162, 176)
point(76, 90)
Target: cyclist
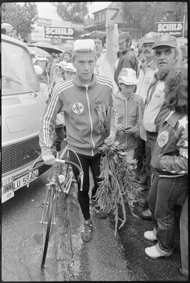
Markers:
point(77, 98)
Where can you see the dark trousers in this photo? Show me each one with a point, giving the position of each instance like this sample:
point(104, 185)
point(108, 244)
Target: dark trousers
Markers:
point(83, 195)
point(146, 172)
point(163, 195)
point(60, 134)
point(140, 155)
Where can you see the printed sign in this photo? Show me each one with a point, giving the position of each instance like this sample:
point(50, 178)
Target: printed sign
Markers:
point(43, 22)
point(58, 32)
point(173, 28)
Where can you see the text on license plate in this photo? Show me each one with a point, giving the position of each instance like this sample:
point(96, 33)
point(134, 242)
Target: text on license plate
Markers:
point(22, 181)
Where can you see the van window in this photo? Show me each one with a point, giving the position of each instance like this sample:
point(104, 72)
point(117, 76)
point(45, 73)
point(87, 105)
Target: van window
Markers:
point(16, 62)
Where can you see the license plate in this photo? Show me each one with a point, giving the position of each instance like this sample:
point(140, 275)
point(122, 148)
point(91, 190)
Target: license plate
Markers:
point(9, 185)
point(7, 191)
point(22, 181)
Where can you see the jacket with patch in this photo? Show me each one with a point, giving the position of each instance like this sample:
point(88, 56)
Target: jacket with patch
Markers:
point(78, 102)
point(170, 155)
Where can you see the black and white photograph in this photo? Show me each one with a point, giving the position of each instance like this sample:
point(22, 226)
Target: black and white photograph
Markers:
point(94, 137)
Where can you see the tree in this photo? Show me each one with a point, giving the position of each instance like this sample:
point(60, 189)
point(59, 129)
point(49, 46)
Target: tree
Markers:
point(144, 15)
point(21, 17)
point(72, 11)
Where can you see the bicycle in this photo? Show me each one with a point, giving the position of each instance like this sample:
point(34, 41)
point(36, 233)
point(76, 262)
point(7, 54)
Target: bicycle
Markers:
point(60, 179)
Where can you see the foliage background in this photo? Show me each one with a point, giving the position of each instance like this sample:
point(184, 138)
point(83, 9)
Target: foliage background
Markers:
point(144, 15)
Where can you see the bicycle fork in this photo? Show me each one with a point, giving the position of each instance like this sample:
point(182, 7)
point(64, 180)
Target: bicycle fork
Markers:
point(46, 204)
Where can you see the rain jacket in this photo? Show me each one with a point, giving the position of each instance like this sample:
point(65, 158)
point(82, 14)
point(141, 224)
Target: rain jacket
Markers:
point(129, 112)
point(78, 102)
point(106, 62)
point(170, 155)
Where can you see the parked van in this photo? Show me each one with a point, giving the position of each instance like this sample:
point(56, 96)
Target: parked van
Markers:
point(22, 107)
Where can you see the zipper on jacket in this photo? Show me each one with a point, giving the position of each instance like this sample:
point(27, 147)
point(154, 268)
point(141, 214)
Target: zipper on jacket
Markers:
point(90, 119)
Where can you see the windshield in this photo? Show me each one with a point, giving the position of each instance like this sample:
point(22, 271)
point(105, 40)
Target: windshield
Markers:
point(16, 62)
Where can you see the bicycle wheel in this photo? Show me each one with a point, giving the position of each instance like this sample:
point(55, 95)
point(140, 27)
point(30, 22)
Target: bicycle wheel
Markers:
point(47, 222)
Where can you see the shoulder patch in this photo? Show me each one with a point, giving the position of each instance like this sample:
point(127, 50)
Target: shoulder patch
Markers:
point(163, 138)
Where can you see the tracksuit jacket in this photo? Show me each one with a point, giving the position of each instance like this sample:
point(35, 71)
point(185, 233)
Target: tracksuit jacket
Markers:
point(78, 102)
point(170, 155)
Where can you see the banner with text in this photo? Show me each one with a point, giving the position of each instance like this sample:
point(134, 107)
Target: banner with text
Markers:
point(173, 28)
point(59, 32)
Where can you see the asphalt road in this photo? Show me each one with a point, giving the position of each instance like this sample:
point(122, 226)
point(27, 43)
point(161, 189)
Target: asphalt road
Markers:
point(105, 258)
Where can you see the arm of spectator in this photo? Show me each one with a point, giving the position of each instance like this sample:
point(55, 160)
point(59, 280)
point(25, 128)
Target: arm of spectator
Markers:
point(112, 45)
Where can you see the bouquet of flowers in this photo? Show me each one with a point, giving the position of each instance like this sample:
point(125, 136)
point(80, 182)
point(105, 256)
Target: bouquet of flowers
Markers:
point(104, 117)
point(118, 184)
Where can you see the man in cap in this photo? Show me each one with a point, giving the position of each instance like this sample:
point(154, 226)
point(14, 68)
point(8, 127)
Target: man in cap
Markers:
point(67, 56)
point(78, 98)
point(128, 58)
point(106, 60)
point(42, 61)
point(146, 75)
point(166, 58)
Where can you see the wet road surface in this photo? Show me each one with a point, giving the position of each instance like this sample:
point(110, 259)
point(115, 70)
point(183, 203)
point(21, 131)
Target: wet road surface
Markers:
point(105, 258)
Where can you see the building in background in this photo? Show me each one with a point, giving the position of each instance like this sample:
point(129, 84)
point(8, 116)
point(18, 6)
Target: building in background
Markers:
point(112, 12)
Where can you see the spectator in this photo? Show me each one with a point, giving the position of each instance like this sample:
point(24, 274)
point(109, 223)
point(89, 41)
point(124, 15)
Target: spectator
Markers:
point(78, 98)
point(145, 76)
point(57, 71)
point(70, 71)
point(166, 57)
point(128, 58)
point(42, 61)
point(60, 131)
point(67, 56)
point(129, 108)
point(106, 61)
point(170, 164)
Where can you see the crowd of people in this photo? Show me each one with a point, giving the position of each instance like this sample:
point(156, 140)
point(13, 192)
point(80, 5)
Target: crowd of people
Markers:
point(148, 96)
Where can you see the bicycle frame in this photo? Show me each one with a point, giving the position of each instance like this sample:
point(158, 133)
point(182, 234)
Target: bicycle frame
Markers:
point(53, 188)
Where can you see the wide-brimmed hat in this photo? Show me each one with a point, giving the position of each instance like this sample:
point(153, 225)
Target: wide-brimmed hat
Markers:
point(123, 36)
point(70, 68)
point(150, 37)
point(127, 76)
point(165, 40)
point(84, 47)
point(41, 58)
point(62, 64)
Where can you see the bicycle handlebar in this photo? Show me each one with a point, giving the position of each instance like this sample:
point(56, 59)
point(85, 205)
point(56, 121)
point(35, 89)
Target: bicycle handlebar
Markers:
point(56, 161)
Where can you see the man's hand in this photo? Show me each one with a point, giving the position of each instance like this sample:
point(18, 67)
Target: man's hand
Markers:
point(48, 159)
point(132, 130)
point(110, 139)
point(111, 25)
point(120, 127)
